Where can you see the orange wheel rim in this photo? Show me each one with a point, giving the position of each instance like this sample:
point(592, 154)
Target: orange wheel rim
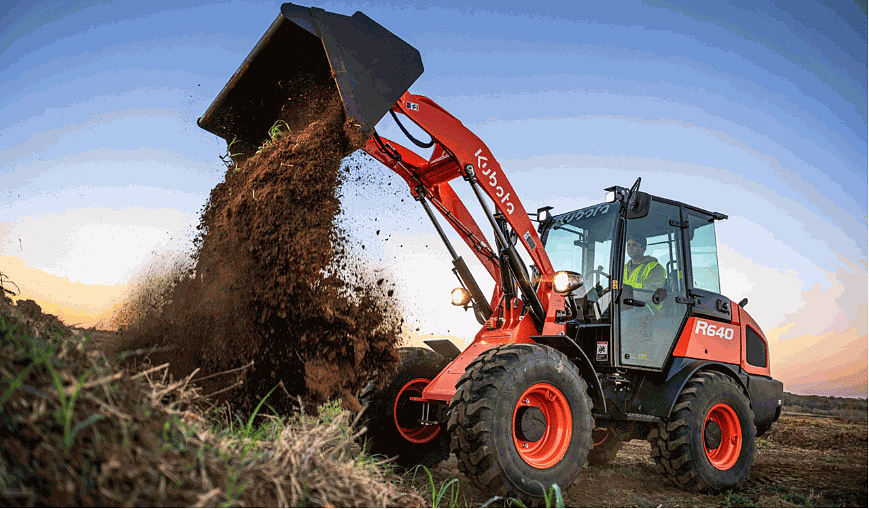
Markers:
point(599, 436)
point(418, 434)
point(551, 447)
point(724, 456)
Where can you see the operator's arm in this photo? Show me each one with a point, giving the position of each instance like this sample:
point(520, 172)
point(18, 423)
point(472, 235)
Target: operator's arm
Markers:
point(656, 279)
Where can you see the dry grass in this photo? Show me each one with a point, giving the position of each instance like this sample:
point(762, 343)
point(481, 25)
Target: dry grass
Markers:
point(78, 432)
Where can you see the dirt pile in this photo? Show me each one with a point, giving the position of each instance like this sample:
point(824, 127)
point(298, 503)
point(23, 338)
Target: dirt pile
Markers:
point(273, 287)
point(77, 432)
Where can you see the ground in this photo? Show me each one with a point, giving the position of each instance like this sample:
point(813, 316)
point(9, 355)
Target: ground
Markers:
point(803, 461)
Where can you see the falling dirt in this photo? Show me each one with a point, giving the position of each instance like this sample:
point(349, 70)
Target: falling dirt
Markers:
point(273, 289)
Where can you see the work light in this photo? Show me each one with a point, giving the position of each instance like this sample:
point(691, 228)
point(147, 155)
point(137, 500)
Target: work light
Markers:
point(565, 281)
point(460, 297)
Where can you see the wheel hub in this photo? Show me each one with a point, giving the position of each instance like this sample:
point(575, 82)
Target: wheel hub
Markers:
point(532, 424)
point(712, 435)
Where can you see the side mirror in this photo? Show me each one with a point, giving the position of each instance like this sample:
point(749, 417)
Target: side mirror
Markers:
point(639, 205)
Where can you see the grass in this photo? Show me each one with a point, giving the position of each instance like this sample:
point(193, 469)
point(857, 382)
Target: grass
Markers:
point(551, 498)
point(228, 158)
point(732, 499)
point(275, 132)
point(79, 433)
point(43, 354)
point(445, 491)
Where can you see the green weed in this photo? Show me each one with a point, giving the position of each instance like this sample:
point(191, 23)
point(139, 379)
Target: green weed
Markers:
point(42, 353)
point(732, 499)
point(796, 498)
point(274, 133)
point(551, 498)
point(234, 488)
point(448, 491)
point(249, 425)
point(227, 158)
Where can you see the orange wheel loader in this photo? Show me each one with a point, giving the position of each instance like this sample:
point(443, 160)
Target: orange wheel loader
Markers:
point(612, 328)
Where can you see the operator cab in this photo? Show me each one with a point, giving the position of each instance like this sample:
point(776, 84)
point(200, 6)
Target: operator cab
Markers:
point(643, 260)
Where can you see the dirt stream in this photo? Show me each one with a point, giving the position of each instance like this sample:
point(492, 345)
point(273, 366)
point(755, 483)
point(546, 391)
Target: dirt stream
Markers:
point(275, 286)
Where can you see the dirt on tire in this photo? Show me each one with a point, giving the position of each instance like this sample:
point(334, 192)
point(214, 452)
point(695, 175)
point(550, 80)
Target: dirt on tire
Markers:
point(273, 294)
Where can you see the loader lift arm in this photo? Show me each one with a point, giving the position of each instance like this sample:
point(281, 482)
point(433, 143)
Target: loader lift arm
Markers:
point(460, 153)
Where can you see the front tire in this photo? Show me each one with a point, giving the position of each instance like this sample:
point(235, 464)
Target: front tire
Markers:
point(391, 418)
point(521, 421)
point(708, 444)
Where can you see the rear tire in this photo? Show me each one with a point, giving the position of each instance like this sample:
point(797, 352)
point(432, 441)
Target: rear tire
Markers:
point(708, 444)
point(521, 421)
point(390, 417)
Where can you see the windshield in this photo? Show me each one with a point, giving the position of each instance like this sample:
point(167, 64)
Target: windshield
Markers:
point(581, 241)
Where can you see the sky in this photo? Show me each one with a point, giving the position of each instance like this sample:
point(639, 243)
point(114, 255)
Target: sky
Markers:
point(754, 109)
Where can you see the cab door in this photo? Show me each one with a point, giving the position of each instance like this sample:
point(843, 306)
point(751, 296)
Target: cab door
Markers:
point(652, 300)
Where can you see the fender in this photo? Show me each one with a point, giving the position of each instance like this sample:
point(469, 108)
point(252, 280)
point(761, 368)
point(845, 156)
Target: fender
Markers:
point(658, 398)
point(569, 348)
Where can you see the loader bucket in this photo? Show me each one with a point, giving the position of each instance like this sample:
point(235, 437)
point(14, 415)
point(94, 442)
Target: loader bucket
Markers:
point(310, 47)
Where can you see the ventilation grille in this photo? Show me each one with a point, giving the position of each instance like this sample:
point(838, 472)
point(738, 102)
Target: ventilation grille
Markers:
point(755, 348)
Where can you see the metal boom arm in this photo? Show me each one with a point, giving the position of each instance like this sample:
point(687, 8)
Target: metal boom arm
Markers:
point(460, 153)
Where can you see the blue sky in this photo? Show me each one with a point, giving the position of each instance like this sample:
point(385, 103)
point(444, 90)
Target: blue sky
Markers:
point(757, 110)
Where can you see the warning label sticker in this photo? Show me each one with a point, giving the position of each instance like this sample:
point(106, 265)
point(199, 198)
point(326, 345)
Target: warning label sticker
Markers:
point(602, 353)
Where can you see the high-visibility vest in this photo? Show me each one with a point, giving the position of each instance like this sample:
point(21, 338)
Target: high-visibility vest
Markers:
point(638, 276)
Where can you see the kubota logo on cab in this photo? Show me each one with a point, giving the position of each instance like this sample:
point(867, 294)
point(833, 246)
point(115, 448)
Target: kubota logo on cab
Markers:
point(713, 329)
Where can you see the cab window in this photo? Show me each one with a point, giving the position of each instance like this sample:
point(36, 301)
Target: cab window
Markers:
point(704, 252)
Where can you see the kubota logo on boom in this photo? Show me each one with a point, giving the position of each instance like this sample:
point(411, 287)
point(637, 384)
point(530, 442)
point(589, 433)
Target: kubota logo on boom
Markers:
point(493, 181)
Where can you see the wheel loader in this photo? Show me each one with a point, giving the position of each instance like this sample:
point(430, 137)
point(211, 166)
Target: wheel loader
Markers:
point(612, 328)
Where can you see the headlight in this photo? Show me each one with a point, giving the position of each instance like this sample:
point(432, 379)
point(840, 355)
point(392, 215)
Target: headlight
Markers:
point(460, 297)
point(565, 281)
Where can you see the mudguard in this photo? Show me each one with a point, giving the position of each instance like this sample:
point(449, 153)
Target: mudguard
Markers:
point(569, 348)
point(658, 397)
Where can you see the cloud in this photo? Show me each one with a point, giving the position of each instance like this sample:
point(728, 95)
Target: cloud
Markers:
point(95, 245)
point(821, 348)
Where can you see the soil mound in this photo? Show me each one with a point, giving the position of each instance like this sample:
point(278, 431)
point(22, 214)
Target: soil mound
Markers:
point(273, 288)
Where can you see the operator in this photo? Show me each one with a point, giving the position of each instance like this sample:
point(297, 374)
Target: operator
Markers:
point(643, 273)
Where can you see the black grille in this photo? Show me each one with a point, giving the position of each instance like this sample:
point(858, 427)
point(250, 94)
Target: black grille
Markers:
point(755, 348)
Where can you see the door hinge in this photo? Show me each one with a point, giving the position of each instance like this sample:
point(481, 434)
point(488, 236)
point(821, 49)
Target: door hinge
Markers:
point(679, 224)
